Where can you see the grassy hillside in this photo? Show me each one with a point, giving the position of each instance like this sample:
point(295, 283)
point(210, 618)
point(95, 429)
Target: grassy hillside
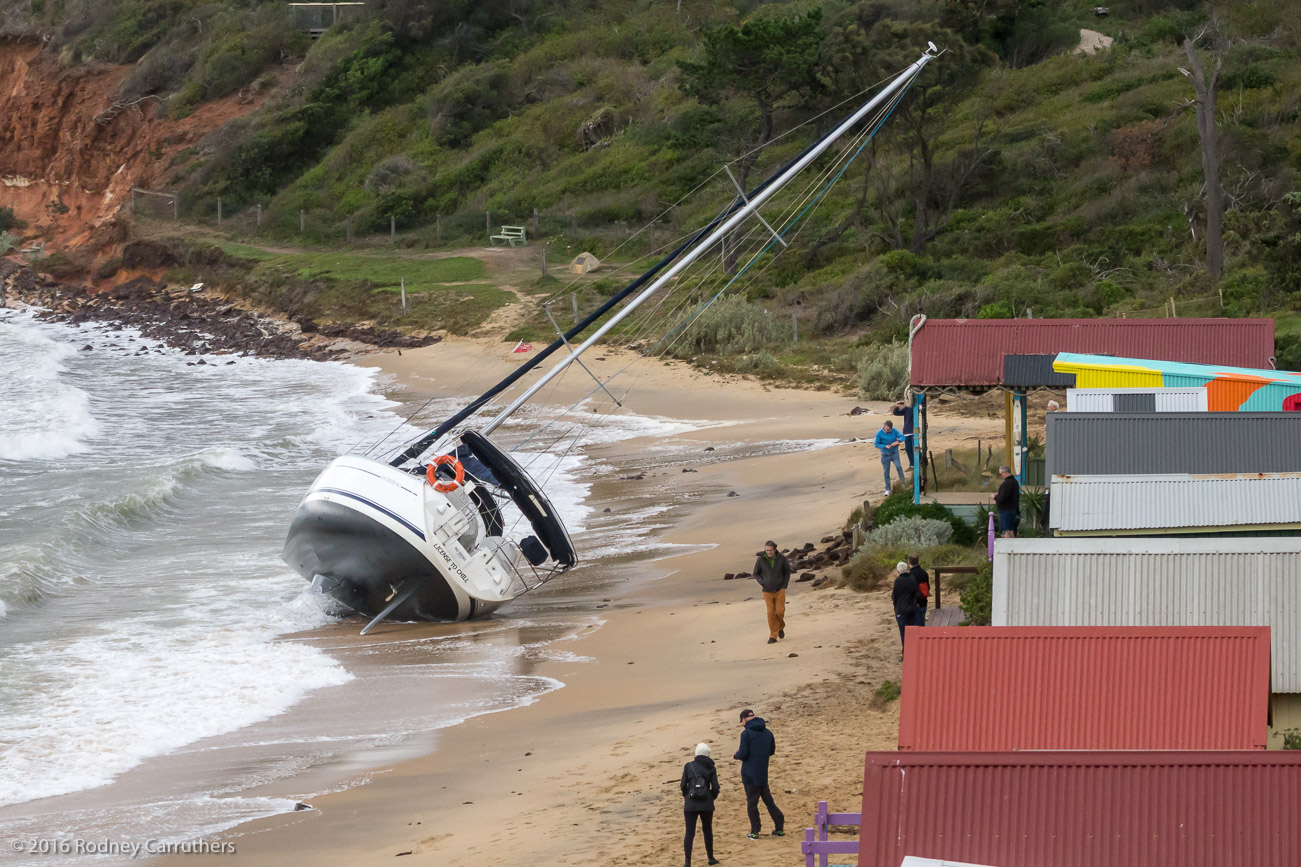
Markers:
point(1017, 176)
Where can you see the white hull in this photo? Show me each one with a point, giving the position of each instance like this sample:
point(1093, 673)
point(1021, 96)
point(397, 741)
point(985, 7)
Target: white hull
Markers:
point(366, 533)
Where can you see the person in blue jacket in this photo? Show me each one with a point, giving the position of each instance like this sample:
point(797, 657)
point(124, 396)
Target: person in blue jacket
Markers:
point(757, 746)
point(887, 442)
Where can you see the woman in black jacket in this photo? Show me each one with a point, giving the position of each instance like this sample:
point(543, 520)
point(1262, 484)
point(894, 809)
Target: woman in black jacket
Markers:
point(699, 789)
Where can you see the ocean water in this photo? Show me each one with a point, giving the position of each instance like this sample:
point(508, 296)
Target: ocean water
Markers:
point(162, 673)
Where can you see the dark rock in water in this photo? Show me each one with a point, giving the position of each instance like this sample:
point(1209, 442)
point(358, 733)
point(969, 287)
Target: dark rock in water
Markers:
point(87, 348)
point(300, 806)
point(228, 363)
point(604, 511)
point(200, 361)
point(807, 576)
point(733, 494)
point(636, 478)
point(689, 470)
point(729, 576)
point(858, 410)
point(709, 448)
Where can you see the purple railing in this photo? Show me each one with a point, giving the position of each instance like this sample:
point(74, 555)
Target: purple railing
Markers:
point(815, 840)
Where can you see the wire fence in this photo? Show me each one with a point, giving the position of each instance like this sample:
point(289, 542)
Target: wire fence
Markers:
point(367, 229)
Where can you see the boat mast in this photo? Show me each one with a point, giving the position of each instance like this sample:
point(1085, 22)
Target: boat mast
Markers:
point(739, 216)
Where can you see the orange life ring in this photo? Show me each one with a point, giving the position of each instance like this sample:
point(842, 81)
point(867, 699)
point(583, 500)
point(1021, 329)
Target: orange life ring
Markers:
point(431, 474)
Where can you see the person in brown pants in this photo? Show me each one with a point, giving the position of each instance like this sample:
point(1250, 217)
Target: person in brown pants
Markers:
point(773, 572)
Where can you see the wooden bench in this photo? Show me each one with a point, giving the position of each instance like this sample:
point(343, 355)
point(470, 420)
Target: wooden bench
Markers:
point(36, 251)
point(512, 235)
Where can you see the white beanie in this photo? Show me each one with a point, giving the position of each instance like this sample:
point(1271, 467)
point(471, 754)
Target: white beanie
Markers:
point(703, 750)
point(901, 566)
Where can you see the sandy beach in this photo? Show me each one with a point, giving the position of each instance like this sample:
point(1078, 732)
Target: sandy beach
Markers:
point(590, 771)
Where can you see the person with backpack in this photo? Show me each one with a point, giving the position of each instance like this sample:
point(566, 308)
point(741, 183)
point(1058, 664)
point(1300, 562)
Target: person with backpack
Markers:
point(757, 746)
point(699, 789)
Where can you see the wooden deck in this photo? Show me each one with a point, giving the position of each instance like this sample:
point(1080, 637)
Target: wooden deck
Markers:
point(949, 615)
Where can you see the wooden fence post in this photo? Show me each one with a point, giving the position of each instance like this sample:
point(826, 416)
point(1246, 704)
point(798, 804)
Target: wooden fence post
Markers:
point(574, 298)
point(302, 221)
point(795, 328)
point(438, 228)
point(176, 207)
point(392, 229)
point(404, 296)
point(259, 213)
point(544, 261)
point(218, 210)
point(487, 221)
point(349, 229)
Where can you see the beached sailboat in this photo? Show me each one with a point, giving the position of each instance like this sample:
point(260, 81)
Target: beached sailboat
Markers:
point(458, 536)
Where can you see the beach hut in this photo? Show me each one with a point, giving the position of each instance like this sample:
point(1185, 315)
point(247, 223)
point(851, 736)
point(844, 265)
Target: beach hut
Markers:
point(1153, 581)
point(1151, 443)
point(1019, 356)
point(1165, 808)
point(1085, 688)
point(1228, 388)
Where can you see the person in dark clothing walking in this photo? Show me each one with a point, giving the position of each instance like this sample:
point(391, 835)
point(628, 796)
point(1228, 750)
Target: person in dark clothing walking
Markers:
point(907, 598)
point(1008, 501)
point(773, 572)
point(699, 789)
point(923, 587)
point(902, 409)
point(757, 746)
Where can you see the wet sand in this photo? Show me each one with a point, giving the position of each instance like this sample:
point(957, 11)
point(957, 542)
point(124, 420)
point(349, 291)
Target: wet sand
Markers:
point(589, 773)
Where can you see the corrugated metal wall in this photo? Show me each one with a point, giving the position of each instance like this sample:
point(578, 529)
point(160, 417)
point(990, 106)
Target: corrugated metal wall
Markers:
point(1090, 688)
point(1239, 581)
point(1171, 503)
point(1083, 809)
point(1120, 443)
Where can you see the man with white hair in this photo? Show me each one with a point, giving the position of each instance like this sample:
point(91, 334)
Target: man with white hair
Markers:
point(1008, 502)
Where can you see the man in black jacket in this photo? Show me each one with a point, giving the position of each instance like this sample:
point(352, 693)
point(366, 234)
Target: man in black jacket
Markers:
point(906, 597)
point(757, 746)
point(1008, 502)
point(773, 572)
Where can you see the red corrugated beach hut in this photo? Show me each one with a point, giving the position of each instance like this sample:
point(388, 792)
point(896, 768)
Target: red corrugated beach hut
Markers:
point(1085, 688)
point(1083, 809)
point(968, 353)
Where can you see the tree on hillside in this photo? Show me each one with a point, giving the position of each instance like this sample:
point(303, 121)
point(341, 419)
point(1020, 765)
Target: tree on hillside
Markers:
point(1206, 88)
point(919, 176)
point(769, 60)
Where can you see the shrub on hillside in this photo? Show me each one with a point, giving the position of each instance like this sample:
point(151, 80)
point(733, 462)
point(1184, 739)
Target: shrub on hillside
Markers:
point(883, 372)
point(871, 567)
point(898, 506)
point(910, 532)
point(731, 326)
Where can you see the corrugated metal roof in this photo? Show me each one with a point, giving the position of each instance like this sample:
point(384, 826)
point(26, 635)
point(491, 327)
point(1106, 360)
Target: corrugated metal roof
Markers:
point(1085, 688)
point(1034, 371)
point(1154, 581)
point(1083, 809)
point(1171, 502)
point(969, 352)
point(1228, 388)
point(1118, 443)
